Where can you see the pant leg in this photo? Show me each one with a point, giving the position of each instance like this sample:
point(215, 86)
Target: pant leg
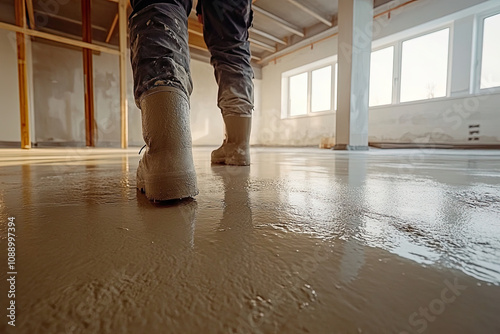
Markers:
point(225, 30)
point(159, 49)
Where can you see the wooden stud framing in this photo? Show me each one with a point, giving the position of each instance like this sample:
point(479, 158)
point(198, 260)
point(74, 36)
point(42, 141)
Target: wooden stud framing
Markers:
point(88, 74)
point(31, 13)
point(112, 28)
point(122, 18)
point(23, 75)
point(59, 39)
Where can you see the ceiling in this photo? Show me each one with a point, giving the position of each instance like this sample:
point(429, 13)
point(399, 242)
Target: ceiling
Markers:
point(277, 25)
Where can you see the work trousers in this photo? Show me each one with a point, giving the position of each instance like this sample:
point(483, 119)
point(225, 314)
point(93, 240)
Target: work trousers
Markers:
point(159, 48)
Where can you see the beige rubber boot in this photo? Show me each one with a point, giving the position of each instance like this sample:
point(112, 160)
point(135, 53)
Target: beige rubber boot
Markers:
point(235, 149)
point(166, 170)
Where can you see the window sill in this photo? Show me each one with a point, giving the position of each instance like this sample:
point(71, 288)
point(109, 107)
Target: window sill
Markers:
point(312, 114)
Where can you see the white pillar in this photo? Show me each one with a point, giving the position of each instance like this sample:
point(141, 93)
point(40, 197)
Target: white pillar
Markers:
point(355, 40)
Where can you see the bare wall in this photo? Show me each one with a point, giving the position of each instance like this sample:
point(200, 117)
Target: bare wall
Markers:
point(57, 101)
point(10, 128)
point(58, 94)
point(207, 126)
point(434, 120)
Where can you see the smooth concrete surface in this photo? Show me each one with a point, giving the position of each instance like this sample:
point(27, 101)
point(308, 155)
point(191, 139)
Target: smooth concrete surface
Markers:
point(302, 241)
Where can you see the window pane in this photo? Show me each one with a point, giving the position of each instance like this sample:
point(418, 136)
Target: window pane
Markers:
point(336, 85)
point(424, 73)
point(321, 92)
point(298, 94)
point(490, 68)
point(381, 74)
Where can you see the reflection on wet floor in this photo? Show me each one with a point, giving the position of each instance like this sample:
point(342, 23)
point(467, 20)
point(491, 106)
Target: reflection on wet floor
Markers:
point(302, 241)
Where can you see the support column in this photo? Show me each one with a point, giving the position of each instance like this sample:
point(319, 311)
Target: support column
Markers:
point(22, 70)
point(355, 21)
point(122, 18)
point(88, 73)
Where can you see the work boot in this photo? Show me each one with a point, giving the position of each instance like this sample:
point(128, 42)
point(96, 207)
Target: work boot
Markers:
point(235, 150)
point(166, 170)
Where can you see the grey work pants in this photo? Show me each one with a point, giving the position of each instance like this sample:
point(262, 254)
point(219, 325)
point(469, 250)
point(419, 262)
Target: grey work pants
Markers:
point(160, 52)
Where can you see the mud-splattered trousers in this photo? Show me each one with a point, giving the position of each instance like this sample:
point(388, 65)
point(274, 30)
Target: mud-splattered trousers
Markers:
point(160, 52)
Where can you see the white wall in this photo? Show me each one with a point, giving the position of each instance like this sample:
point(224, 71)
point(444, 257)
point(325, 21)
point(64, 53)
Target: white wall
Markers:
point(10, 124)
point(432, 121)
point(207, 126)
point(58, 94)
point(447, 120)
point(298, 131)
point(107, 99)
point(206, 121)
point(134, 114)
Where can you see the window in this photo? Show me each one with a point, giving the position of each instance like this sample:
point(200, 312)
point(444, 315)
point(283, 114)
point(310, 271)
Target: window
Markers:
point(321, 90)
point(298, 94)
point(381, 76)
point(309, 89)
point(336, 85)
point(490, 65)
point(424, 69)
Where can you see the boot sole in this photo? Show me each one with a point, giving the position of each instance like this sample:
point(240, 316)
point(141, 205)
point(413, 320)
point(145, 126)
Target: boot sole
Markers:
point(168, 187)
point(231, 162)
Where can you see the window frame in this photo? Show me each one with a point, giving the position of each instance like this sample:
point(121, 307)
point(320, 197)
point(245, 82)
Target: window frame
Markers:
point(309, 68)
point(395, 73)
point(478, 54)
point(397, 41)
point(332, 82)
point(399, 74)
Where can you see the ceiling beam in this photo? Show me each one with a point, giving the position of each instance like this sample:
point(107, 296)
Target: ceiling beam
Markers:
point(279, 21)
point(261, 45)
point(311, 12)
point(268, 36)
point(196, 42)
point(195, 27)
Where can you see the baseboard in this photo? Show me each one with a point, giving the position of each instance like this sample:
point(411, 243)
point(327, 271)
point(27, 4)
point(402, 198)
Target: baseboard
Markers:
point(59, 144)
point(345, 147)
point(10, 144)
point(435, 146)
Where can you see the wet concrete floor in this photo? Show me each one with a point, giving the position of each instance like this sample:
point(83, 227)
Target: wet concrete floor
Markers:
point(302, 241)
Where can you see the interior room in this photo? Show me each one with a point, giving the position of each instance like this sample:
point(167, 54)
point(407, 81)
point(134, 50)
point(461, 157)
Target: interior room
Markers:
point(371, 203)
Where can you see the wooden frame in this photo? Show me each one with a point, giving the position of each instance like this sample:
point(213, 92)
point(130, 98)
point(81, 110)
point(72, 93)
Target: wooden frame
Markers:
point(122, 18)
point(88, 73)
point(60, 39)
point(23, 75)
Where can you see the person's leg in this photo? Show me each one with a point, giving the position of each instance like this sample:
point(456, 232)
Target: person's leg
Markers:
point(225, 29)
point(162, 86)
